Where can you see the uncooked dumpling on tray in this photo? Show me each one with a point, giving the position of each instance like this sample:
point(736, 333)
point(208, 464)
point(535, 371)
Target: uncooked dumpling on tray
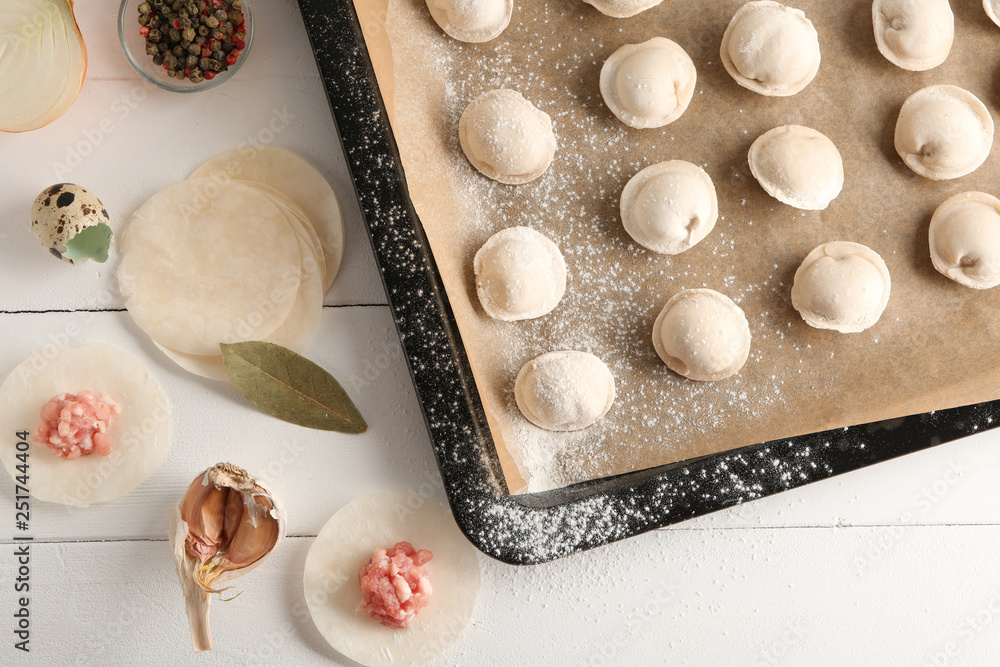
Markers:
point(243, 250)
point(471, 20)
point(798, 166)
point(842, 286)
point(669, 207)
point(338, 571)
point(964, 239)
point(99, 423)
point(915, 35)
point(650, 84)
point(564, 391)
point(702, 335)
point(943, 132)
point(520, 274)
point(771, 49)
point(622, 8)
point(506, 137)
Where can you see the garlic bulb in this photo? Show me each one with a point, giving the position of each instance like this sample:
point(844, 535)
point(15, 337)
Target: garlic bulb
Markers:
point(226, 524)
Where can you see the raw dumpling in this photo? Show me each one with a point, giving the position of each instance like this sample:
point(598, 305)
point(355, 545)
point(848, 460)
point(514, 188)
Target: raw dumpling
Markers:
point(701, 334)
point(965, 239)
point(669, 207)
point(797, 166)
point(564, 391)
point(943, 132)
point(520, 274)
point(649, 84)
point(842, 286)
point(506, 137)
point(992, 8)
point(471, 20)
point(771, 49)
point(914, 34)
point(622, 8)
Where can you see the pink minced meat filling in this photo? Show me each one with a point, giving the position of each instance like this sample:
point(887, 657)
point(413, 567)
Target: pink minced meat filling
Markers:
point(395, 586)
point(76, 425)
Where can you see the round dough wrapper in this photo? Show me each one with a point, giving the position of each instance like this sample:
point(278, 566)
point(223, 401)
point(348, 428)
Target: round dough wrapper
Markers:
point(914, 34)
point(520, 274)
point(622, 8)
point(669, 207)
point(197, 270)
point(771, 49)
point(702, 335)
point(140, 434)
point(298, 180)
point(333, 590)
point(471, 20)
point(506, 137)
point(564, 391)
point(965, 239)
point(842, 286)
point(207, 366)
point(797, 166)
point(649, 84)
point(943, 132)
point(992, 8)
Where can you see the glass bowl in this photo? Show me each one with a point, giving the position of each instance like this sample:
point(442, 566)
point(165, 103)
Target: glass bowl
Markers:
point(134, 46)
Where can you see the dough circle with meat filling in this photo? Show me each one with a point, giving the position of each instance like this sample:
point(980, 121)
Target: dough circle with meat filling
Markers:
point(771, 49)
point(650, 84)
point(915, 35)
point(797, 166)
point(506, 137)
point(520, 274)
point(702, 335)
point(943, 132)
point(965, 239)
point(842, 286)
point(669, 207)
point(564, 391)
point(471, 20)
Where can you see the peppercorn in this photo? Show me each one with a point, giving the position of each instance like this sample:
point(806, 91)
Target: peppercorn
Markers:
point(153, 36)
point(158, 60)
point(178, 51)
point(144, 8)
point(203, 30)
point(215, 45)
point(212, 22)
point(196, 76)
point(143, 19)
point(188, 34)
point(219, 55)
point(175, 35)
point(152, 49)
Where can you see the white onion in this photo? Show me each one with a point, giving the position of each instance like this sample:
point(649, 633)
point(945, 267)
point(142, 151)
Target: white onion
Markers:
point(42, 62)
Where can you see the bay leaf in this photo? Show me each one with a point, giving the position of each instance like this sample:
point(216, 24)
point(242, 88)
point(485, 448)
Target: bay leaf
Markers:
point(290, 387)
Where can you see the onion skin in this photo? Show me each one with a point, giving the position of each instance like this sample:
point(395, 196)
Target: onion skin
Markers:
point(70, 93)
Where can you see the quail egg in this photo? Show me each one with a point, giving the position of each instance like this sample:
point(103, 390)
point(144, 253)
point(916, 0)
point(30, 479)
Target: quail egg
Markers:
point(72, 224)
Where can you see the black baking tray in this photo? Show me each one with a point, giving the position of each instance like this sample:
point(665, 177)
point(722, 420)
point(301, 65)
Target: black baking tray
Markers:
point(535, 528)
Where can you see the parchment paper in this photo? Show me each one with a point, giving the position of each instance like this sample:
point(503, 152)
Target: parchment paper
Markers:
point(935, 346)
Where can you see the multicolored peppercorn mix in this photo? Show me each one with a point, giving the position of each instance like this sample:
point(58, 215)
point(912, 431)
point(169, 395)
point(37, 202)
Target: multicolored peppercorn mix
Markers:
point(193, 39)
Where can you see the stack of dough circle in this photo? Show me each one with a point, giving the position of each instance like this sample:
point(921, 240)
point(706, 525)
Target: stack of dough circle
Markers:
point(797, 166)
point(771, 49)
point(649, 84)
point(244, 249)
point(965, 239)
point(943, 132)
point(333, 591)
point(992, 8)
point(914, 34)
point(471, 20)
point(139, 434)
point(842, 286)
point(622, 8)
point(669, 207)
point(702, 335)
point(564, 391)
point(520, 274)
point(506, 137)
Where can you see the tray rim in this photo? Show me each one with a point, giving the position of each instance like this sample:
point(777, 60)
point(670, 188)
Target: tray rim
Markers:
point(535, 528)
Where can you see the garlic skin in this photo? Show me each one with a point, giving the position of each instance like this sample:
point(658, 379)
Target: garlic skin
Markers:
point(226, 525)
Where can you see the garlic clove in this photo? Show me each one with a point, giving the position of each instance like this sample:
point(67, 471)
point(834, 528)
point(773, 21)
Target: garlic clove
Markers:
point(226, 524)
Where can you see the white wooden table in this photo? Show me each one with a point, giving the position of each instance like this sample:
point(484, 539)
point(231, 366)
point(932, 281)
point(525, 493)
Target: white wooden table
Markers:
point(894, 564)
